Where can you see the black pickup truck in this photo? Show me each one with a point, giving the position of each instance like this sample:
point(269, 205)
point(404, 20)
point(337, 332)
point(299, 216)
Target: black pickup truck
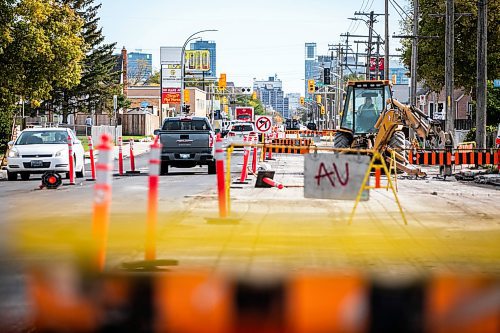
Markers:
point(187, 142)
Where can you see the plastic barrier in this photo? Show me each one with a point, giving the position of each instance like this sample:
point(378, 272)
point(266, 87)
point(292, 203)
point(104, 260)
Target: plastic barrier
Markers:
point(92, 159)
point(476, 157)
point(102, 201)
point(254, 157)
point(120, 156)
point(246, 155)
point(152, 215)
point(221, 184)
point(270, 151)
point(272, 183)
point(132, 157)
point(292, 142)
point(198, 301)
point(71, 162)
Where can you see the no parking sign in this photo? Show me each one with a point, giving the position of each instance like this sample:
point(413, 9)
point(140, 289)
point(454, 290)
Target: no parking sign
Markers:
point(263, 124)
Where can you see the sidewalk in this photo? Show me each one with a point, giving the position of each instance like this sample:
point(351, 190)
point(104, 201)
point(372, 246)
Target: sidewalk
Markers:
point(140, 148)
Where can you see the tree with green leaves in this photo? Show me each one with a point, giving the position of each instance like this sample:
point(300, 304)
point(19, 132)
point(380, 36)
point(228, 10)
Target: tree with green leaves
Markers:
point(154, 79)
point(246, 100)
point(431, 61)
point(40, 44)
point(100, 78)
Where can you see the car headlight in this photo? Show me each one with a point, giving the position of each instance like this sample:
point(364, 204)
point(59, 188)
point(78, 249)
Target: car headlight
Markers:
point(59, 153)
point(13, 153)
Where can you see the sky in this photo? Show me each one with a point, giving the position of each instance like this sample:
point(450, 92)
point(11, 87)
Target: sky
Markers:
point(255, 39)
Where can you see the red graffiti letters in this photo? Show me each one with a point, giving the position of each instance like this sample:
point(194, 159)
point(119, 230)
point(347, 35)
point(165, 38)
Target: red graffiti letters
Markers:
point(332, 175)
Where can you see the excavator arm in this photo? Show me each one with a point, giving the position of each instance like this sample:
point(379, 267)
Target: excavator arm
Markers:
point(414, 118)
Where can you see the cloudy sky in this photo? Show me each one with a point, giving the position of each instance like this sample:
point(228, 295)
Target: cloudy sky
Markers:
point(255, 39)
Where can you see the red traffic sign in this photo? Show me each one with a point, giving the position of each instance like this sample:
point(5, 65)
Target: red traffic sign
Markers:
point(263, 124)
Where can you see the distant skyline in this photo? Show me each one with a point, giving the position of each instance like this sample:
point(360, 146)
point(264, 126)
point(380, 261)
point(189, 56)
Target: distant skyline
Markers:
point(255, 39)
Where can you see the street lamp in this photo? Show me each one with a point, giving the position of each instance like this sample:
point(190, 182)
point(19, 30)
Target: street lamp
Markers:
point(190, 38)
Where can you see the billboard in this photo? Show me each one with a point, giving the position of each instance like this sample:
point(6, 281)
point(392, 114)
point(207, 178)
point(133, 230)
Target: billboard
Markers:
point(171, 95)
point(197, 60)
point(170, 75)
point(373, 63)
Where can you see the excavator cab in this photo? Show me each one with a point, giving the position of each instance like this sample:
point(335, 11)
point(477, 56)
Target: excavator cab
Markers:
point(365, 101)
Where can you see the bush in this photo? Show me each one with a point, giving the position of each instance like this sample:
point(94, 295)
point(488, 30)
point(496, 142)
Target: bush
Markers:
point(471, 136)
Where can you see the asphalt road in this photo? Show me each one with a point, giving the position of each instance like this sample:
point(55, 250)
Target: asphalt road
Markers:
point(68, 205)
point(22, 198)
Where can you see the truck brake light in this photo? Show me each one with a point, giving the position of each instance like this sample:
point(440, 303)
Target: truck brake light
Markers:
point(211, 141)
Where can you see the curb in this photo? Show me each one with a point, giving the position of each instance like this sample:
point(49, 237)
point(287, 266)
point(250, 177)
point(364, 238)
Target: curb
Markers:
point(96, 154)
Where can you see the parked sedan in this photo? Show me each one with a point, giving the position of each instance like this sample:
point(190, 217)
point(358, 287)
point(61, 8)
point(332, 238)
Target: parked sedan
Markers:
point(38, 150)
point(239, 131)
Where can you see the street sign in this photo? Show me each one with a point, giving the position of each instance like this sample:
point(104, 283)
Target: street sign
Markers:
point(496, 83)
point(263, 124)
point(421, 99)
point(334, 176)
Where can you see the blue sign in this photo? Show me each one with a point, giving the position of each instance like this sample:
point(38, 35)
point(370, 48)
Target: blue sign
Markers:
point(144, 104)
point(496, 83)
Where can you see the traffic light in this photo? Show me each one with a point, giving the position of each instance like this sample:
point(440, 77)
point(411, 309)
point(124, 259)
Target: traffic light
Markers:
point(322, 109)
point(186, 108)
point(310, 86)
point(302, 101)
point(186, 96)
point(326, 76)
point(318, 99)
point(222, 81)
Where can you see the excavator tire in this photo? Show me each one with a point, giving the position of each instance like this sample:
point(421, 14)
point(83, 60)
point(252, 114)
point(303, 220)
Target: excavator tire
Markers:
point(398, 142)
point(342, 140)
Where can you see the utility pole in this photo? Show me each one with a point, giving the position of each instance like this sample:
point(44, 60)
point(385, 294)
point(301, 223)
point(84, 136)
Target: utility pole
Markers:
point(482, 29)
point(449, 67)
point(386, 55)
point(369, 53)
point(377, 67)
point(414, 55)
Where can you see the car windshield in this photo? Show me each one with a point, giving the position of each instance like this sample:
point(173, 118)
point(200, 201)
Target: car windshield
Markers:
point(186, 125)
point(42, 137)
point(242, 128)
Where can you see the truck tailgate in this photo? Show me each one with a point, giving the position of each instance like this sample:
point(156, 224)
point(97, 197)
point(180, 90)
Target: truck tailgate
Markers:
point(177, 141)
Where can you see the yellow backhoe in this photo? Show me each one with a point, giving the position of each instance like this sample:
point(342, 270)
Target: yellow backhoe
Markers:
point(373, 119)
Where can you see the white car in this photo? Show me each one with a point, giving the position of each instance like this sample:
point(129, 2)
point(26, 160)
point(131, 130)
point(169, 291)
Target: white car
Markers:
point(239, 131)
point(38, 150)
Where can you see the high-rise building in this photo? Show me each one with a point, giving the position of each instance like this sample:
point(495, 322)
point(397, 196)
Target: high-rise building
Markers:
point(286, 107)
point(212, 47)
point(311, 70)
point(270, 93)
point(140, 67)
point(293, 103)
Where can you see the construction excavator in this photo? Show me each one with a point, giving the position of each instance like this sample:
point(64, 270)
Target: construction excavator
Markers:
point(373, 119)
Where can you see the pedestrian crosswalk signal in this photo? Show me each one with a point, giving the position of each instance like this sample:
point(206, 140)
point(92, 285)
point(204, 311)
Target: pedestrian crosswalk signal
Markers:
point(310, 86)
point(318, 99)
